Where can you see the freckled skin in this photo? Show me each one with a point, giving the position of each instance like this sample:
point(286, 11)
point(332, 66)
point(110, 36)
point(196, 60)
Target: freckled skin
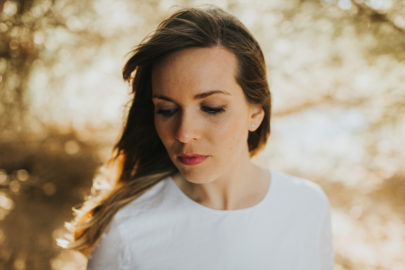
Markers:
point(191, 129)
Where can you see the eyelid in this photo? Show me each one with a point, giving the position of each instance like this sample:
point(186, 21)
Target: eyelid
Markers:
point(166, 109)
point(166, 112)
point(213, 109)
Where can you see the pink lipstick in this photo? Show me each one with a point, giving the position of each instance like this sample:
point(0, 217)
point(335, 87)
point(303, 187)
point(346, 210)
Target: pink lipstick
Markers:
point(193, 159)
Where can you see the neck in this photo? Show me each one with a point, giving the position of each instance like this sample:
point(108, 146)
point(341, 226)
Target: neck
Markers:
point(236, 189)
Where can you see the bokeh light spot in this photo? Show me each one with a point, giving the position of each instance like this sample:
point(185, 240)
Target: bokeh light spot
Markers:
point(15, 186)
point(72, 147)
point(49, 188)
point(9, 9)
point(3, 177)
point(22, 175)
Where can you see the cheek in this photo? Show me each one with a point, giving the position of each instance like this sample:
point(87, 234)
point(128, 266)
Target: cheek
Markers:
point(232, 132)
point(163, 131)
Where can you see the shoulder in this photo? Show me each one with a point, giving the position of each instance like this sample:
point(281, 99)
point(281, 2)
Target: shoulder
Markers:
point(298, 185)
point(110, 251)
point(152, 200)
point(299, 192)
point(107, 251)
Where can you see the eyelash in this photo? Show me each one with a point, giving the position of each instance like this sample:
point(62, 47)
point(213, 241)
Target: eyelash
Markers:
point(209, 110)
point(166, 113)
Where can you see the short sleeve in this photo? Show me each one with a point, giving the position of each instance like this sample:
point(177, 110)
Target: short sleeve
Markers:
point(326, 245)
point(109, 252)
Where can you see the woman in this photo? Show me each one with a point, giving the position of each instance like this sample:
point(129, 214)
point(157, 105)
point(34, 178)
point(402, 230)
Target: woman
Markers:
point(187, 195)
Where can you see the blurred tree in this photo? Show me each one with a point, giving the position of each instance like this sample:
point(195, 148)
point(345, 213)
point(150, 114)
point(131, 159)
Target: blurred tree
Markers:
point(45, 179)
point(41, 177)
point(17, 53)
point(25, 28)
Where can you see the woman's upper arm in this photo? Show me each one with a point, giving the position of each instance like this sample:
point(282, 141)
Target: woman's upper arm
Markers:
point(107, 252)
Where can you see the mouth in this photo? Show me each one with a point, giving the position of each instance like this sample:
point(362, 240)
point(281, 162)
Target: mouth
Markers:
point(193, 159)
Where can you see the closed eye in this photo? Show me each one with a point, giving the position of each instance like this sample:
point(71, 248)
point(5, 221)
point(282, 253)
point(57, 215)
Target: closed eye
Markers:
point(213, 110)
point(166, 112)
point(207, 109)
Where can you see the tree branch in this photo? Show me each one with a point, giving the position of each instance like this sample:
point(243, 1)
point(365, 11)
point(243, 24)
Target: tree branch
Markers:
point(376, 16)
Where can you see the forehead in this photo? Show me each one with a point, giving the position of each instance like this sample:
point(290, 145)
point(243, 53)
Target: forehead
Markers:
point(195, 70)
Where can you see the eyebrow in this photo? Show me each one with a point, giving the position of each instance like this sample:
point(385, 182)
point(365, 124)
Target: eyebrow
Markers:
point(198, 96)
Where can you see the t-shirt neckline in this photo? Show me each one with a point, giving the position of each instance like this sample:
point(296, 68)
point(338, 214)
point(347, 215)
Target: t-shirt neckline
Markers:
point(197, 205)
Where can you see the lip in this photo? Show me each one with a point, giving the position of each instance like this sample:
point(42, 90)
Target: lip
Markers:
point(192, 159)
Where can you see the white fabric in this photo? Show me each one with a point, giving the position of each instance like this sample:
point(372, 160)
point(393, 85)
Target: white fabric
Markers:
point(164, 229)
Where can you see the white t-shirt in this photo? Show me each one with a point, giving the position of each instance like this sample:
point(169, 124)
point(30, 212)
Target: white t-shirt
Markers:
point(290, 229)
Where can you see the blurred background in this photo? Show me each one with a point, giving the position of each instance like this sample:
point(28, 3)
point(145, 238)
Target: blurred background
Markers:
point(337, 75)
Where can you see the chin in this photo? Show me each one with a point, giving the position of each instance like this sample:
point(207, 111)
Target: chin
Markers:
point(196, 176)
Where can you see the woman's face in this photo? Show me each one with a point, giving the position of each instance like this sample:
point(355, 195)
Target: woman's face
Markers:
point(201, 114)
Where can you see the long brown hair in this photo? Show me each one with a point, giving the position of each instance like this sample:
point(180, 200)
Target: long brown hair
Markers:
point(141, 157)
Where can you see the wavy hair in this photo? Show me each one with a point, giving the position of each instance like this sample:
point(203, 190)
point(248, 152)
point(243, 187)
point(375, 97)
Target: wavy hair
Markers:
point(139, 156)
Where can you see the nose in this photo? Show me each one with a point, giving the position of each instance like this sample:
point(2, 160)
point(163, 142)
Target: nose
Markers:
point(187, 129)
